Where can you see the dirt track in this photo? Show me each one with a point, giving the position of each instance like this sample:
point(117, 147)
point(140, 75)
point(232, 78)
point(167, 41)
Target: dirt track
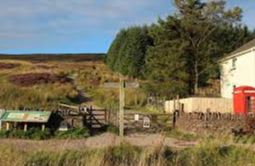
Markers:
point(100, 141)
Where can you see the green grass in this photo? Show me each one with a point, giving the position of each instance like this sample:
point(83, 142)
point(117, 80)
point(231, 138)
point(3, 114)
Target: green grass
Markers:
point(88, 76)
point(205, 154)
point(174, 133)
point(244, 139)
point(30, 134)
point(210, 153)
point(47, 96)
point(41, 96)
point(37, 134)
point(112, 129)
point(73, 133)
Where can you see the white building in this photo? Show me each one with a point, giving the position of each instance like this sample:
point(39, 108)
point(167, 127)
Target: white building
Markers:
point(238, 69)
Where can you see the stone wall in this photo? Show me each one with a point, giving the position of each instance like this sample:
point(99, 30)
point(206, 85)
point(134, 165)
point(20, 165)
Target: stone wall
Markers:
point(210, 123)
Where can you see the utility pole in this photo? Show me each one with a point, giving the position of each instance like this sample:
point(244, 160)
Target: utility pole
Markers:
point(121, 106)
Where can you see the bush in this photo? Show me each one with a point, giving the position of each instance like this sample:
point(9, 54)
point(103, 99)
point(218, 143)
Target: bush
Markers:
point(30, 134)
point(73, 133)
point(37, 134)
point(4, 133)
point(112, 129)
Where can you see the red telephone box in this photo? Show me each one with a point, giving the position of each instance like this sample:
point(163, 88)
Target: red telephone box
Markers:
point(244, 100)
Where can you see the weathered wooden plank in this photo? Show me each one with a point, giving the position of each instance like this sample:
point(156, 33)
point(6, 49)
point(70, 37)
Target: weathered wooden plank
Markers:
point(117, 84)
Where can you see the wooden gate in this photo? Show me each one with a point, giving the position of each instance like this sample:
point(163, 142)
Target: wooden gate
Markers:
point(87, 116)
point(141, 122)
point(95, 118)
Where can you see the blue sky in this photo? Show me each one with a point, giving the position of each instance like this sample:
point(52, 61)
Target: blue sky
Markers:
point(81, 26)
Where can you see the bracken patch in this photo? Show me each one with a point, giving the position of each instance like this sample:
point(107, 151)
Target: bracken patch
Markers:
point(30, 79)
point(8, 65)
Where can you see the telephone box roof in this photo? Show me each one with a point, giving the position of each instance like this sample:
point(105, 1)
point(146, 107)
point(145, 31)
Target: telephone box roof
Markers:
point(244, 88)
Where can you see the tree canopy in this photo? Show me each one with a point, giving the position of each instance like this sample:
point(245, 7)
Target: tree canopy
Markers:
point(179, 54)
point(127, 52)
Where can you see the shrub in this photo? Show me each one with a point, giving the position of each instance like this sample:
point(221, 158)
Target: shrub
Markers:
point(73, 133)
point(38, 134)
point(112, 129)
point(4, 133)
point(30, 134)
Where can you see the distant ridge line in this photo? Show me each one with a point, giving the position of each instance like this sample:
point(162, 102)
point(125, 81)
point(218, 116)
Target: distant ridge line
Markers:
point(33, 54)
point(42, 57)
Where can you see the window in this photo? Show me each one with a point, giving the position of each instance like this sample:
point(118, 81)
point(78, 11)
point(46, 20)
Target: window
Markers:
point(233, 64)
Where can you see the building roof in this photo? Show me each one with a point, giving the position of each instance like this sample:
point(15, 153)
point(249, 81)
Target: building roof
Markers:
point(25, 116)
point(243, 48)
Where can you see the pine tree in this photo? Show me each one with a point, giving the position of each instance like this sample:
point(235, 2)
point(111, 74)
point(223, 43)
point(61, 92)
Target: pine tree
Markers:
point(165, 62)
point(127, 52)
point(113, 52)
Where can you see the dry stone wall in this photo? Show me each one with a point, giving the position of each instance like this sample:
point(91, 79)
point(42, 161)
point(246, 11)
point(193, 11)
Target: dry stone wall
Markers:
point(210, 123)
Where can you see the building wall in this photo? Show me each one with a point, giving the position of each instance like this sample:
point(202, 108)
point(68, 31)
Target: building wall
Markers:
point(201, 104)
point(242, 74)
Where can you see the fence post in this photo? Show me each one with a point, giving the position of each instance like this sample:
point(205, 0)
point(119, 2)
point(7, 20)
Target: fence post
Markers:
point(178, 102)
point(121, 106)
point(90, 118)
point(105, 116)
point(174, 119)
point(109, 116)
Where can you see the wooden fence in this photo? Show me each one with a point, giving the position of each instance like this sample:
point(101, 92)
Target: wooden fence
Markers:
point(139, 121)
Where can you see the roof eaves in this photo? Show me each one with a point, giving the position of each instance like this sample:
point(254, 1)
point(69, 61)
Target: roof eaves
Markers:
point(236, 55)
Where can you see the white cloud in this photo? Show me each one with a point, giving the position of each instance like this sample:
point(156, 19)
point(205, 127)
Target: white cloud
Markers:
point(35, 20)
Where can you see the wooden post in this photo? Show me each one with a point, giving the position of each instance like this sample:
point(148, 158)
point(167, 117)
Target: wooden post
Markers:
point(7, 126)
point(85, 119)
point(25, 127)
point(174, 119)
point(136, 98)
point(105, 116)
point(121, 106)
point(174, 105)
point(43, 127)
point(90, 118)
point(109, 116)
point(178, 102)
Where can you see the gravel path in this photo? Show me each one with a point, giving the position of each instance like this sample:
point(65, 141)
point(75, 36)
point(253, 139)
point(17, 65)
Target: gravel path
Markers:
point(100, 141)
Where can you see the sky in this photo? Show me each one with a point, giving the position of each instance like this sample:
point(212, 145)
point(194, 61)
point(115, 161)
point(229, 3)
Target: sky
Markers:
point(81, 26)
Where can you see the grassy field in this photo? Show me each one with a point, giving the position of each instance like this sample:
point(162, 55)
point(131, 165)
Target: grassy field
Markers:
point(22, 88)
point(41, 82)
point(204, 154)
point(174, 149)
